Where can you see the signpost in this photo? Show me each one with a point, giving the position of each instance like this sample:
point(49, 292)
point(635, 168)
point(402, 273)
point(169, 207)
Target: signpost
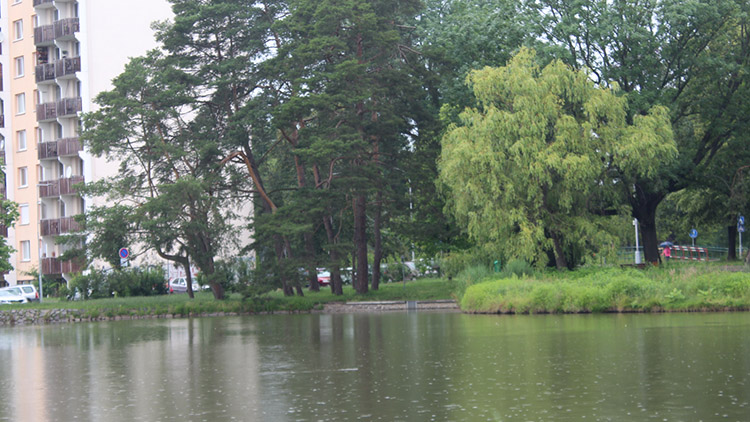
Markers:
point(693, 235)
point(124, 254)
point(740, 230)
point(637, 247)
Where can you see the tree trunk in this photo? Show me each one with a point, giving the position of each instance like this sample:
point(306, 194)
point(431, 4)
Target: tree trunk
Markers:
point(560, 262)
point(210, 272)
point(377, 238)
point(644, 209)
point(312, 271)
point(336, 284)
point(188, 277)
point(732, 235)
point(278, 244)
point(360, 243)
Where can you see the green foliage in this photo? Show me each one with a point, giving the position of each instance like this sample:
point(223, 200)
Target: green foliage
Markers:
point(453, 263)
point(98, 284)
point(528, 169)
point(518, 267)
point(469, 276)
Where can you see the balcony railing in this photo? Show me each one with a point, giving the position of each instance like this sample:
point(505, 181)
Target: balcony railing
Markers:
point(46, 112)
point(69, 106)
point(58, 226)
point(44, 34)
point(47, 150)
point(60, 148)
point(67, 66)
point(2, 120)
point(44, 72)
point(42, 3)
point(67, 185)
point(64, 186)
point(55, 266)
point(66, 27)
point(49, 189)
point(69, 146)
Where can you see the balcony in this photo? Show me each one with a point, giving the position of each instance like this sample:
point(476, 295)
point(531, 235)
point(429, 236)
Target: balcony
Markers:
point(68, 107)
point(67, 185)
point(69, 146)
point(44, 35)
point(43, 3)
point(67, 67)
point(61, 148)
point(49, 189)
point(51, 266)
point(46, 112)
point(2, 120)
point(58, 226)
point(66, 28)
point(44, 72)
point(47, 150)
point(64, 186)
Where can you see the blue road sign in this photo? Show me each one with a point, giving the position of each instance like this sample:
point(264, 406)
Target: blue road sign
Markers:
point(693, 233)
point(741, 221)
point(124, 253)
point(741, 228)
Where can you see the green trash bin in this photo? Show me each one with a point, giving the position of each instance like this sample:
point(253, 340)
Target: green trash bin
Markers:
point(497, 265)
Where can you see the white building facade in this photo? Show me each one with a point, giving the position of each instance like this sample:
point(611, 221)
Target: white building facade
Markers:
point(56, 56)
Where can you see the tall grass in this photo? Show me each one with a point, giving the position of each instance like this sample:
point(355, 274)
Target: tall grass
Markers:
point(613, 290)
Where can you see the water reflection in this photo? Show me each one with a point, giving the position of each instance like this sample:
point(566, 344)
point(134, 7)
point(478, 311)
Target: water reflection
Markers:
point(399, 366)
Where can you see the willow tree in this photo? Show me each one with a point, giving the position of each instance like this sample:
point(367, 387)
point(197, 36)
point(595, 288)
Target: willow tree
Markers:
point(691, 56)
point(529, 168)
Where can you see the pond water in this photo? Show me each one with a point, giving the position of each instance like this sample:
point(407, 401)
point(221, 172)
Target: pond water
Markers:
point(416, 366)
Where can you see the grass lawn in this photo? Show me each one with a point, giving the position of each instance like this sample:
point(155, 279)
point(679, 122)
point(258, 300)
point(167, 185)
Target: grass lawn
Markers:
point(182, 305)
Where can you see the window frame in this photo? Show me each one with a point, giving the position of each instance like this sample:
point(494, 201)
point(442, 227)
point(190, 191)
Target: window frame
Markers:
point(18, 30)
point(21, 135)
point(23, 177)
point(21, 103)
point(25, 249)
point(19, 65)
point(24, 211)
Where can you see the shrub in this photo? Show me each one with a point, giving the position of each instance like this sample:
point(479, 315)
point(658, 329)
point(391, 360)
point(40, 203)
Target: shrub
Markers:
point(517, 267)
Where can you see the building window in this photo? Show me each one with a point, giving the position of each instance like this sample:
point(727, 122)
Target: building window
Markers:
point(18, 30)
point(23, 177)
point(19, 66)
point(21, 138)
point(24, 211)
point(21, 103)
point(25, 250)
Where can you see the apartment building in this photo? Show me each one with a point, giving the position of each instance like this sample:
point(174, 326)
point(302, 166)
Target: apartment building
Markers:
point(56, 56)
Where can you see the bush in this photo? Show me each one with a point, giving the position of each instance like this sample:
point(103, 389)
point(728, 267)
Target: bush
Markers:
point(517, 267)
point(100, 284)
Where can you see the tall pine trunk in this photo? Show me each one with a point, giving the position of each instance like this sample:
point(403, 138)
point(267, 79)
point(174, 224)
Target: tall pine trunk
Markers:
point(336, 282)
point(360, 243)
point(377, 239)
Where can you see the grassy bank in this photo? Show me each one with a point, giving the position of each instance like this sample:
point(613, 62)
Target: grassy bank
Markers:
point(180, 305)
point(678, 288)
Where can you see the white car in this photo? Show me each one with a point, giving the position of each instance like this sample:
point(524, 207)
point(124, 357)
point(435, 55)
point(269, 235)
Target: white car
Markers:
point(179, 285)
point(28, 291)
point(12, 296)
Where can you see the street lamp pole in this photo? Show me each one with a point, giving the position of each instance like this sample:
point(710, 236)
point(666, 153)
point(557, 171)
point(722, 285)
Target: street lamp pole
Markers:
point(637, 246)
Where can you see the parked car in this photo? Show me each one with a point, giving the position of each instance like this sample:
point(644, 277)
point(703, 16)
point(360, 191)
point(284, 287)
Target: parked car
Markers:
point(12, 295)
point(324, 277)
point(179, 285)
point(28, 291)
